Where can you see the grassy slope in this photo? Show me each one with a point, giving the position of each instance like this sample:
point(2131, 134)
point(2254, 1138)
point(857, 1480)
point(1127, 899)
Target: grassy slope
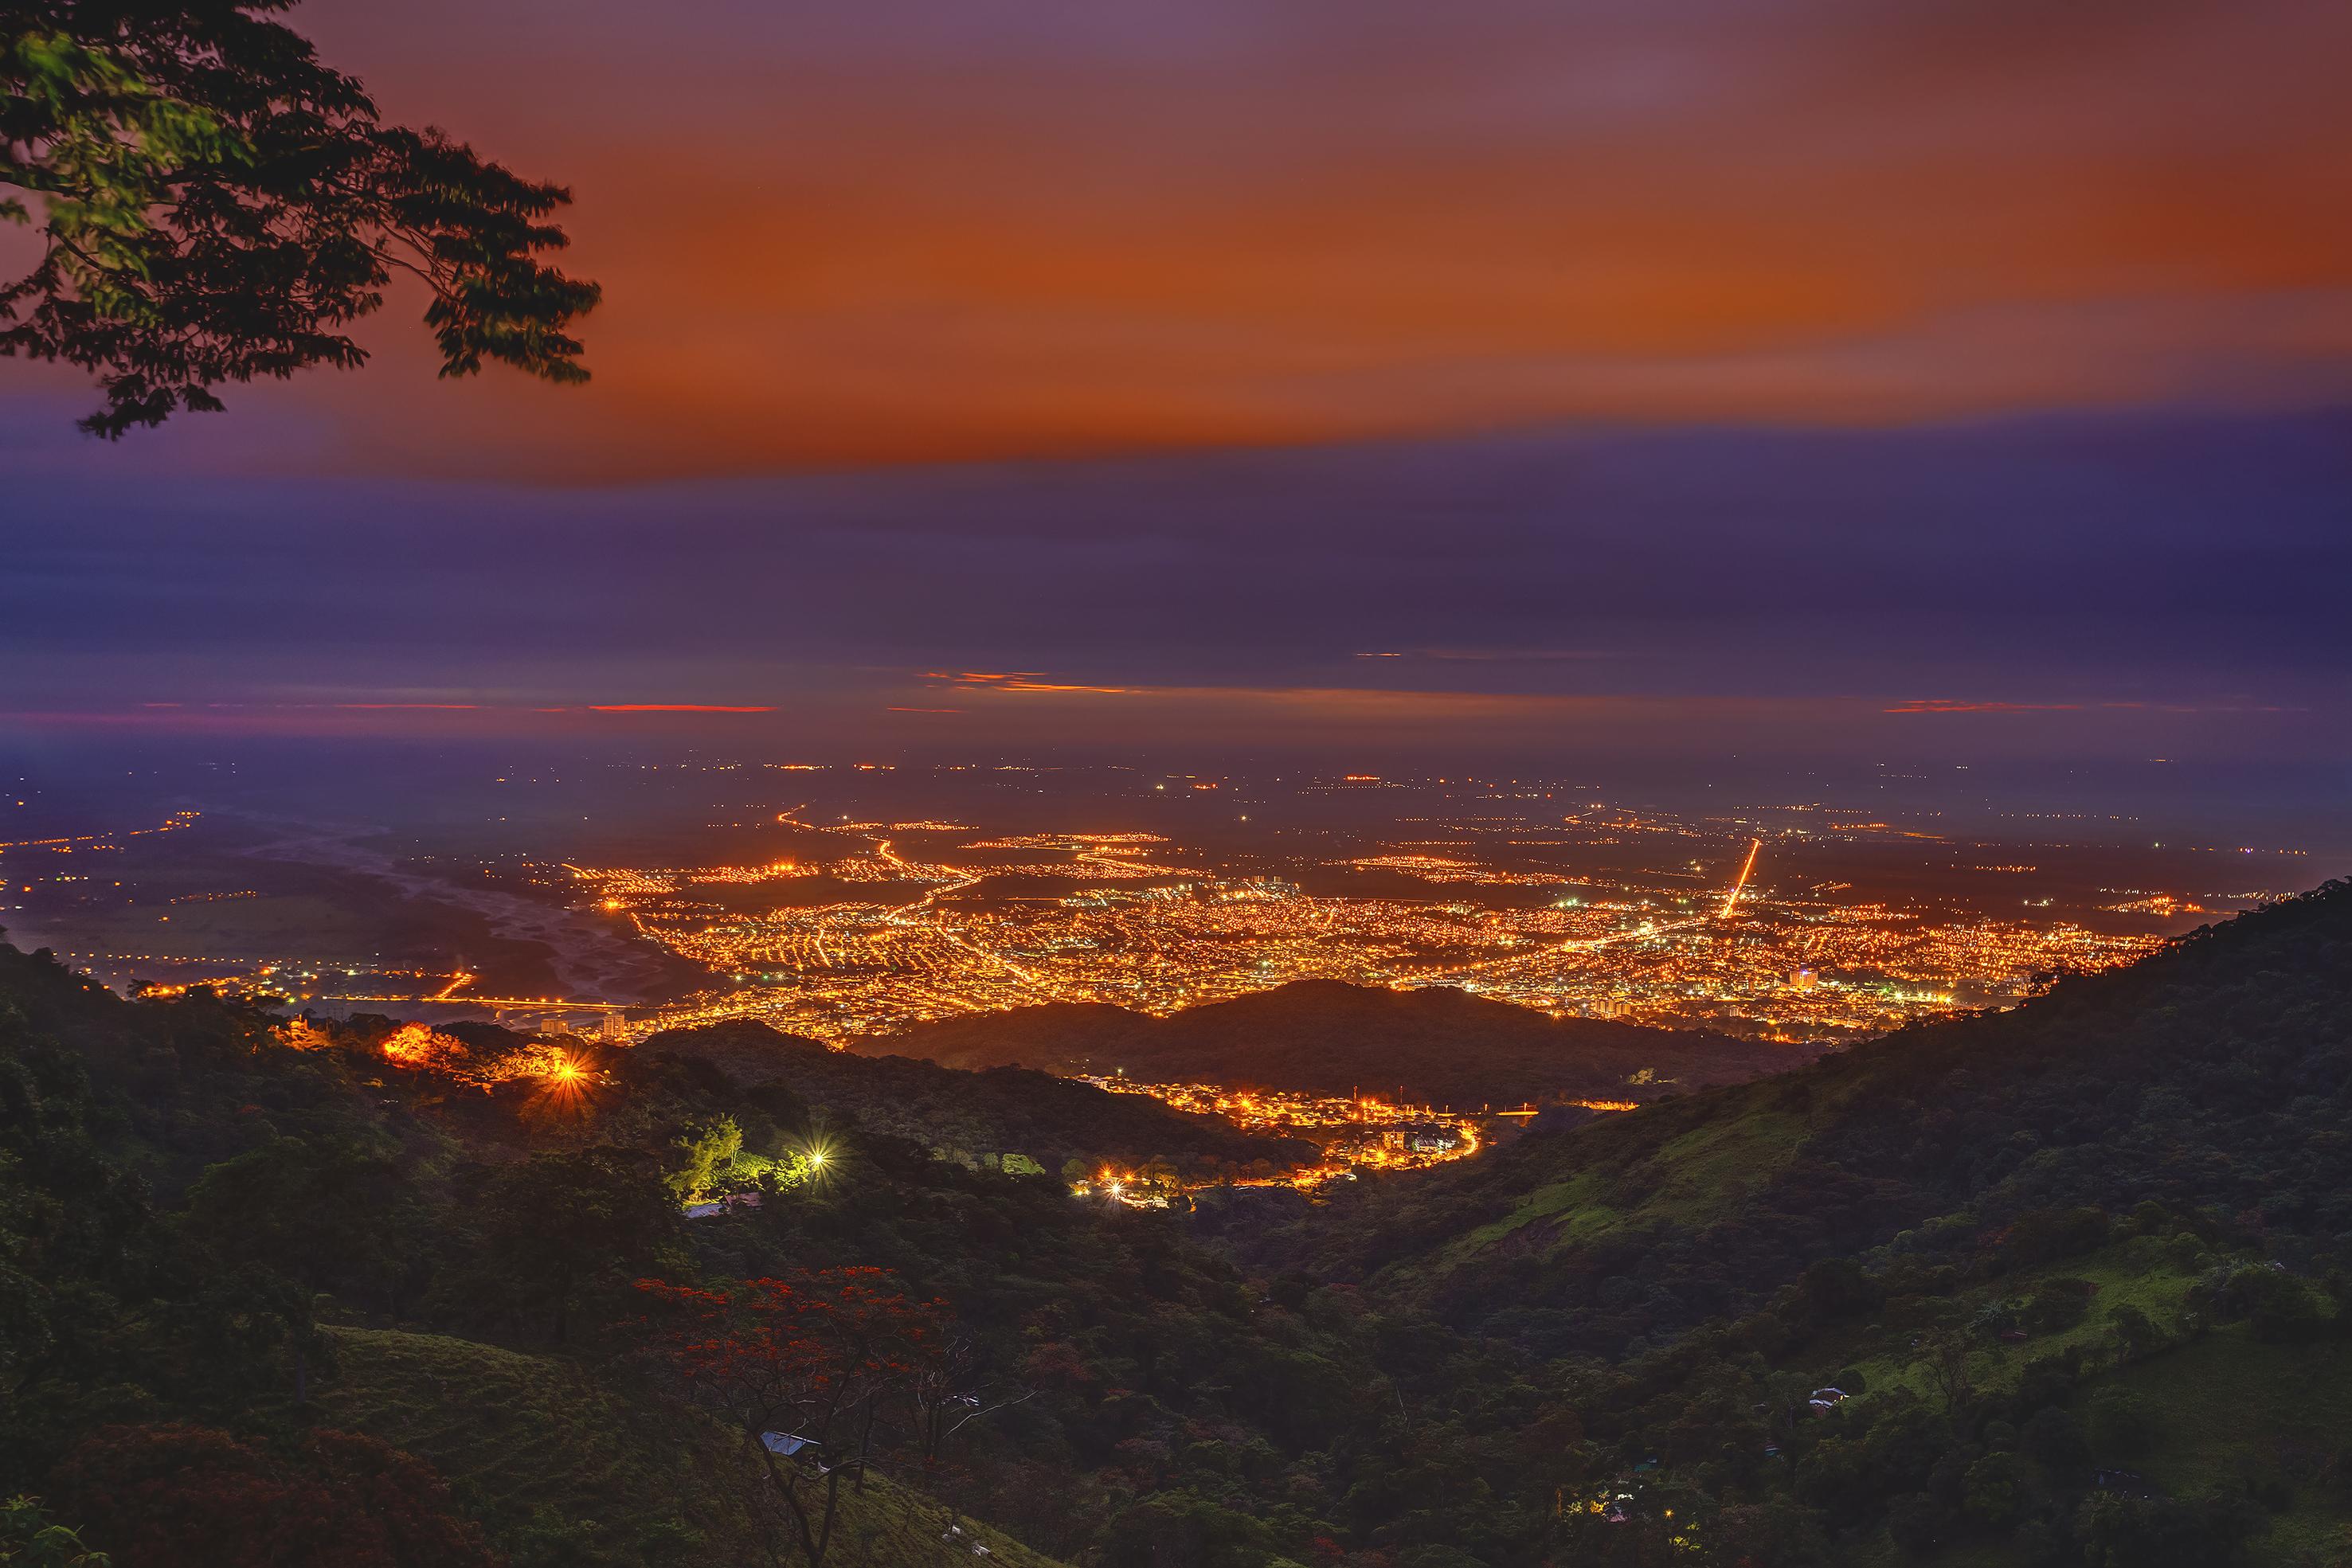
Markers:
point(1679, 1180)
point(2131, 1274)
point(2225, 1405)
point(1683, 1183)
point(523, 1435)
point(2228, 1406)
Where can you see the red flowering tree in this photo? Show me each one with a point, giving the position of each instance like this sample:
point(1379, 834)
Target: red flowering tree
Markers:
point(804, 1367)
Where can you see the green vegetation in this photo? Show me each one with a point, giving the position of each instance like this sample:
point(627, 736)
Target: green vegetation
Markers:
point(1574, 1207)
point(2229, 1407)
point(2061, 1286)
point(1678, 1183)
point(217, 205)
point(569, 1470)
point(1996, 1236)
point(29, 1539)
point(244, 1252)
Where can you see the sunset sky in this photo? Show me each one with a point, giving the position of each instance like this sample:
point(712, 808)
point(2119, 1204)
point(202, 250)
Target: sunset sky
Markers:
point(1817, 368)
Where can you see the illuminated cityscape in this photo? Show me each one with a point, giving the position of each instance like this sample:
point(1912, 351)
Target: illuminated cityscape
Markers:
point(1773, 923)
point(1355, 1133)
point(869, 900)
point(936, 923)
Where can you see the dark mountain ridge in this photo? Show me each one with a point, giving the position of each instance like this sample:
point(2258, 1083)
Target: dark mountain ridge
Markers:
point(1434, 1045)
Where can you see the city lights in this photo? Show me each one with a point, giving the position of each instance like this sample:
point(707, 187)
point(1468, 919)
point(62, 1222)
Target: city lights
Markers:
point(1149, 926)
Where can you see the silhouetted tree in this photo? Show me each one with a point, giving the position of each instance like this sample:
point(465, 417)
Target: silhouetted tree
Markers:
point(801, 1367)
point(950, 1390)
point(215, 205)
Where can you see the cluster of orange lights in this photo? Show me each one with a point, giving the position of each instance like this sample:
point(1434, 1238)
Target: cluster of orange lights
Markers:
point(419, 1049)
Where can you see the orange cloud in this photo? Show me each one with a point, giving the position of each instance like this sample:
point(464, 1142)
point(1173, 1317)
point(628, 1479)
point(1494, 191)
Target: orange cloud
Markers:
point(1030, 681)
point(671, 707)
point(1376, 219)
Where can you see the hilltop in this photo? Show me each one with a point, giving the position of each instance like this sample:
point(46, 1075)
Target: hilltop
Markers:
point(985, 1113)
point(1436, 1045)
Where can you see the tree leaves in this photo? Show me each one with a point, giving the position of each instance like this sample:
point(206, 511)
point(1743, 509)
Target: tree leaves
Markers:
point(218, 206)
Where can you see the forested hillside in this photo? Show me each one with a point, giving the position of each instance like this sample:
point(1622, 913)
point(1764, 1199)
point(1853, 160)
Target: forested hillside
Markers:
point(350, 1294)
point(2059, 1286)
point(2131, 1194)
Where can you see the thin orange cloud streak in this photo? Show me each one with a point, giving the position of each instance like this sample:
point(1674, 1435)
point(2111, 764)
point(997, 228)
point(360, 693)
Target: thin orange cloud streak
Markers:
point(1030, 681)
point(670, 708)
point(1275, 712)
